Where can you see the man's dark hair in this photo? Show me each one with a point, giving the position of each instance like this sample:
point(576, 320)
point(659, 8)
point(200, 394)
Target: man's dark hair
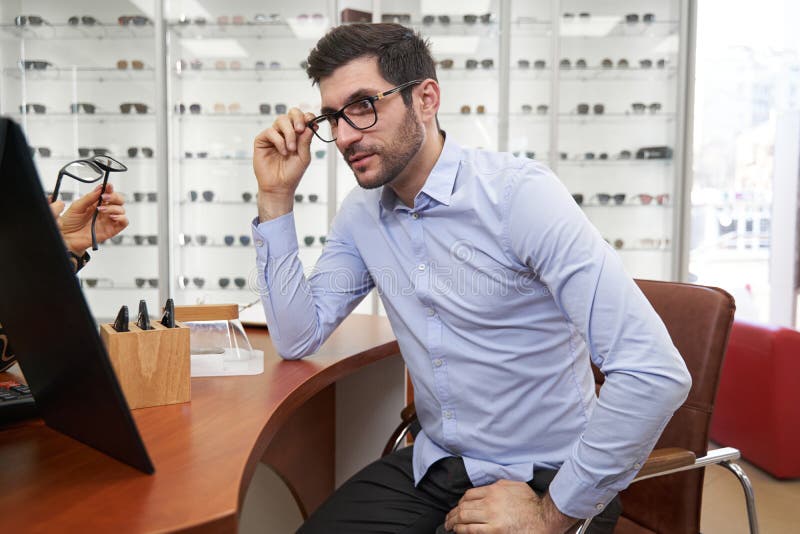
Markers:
point(402, 54)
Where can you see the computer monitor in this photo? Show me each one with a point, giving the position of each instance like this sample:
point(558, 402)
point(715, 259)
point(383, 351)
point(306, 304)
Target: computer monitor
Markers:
point(47, 320)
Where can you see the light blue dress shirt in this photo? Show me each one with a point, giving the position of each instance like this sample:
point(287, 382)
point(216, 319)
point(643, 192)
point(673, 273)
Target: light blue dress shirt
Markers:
point(499, 291)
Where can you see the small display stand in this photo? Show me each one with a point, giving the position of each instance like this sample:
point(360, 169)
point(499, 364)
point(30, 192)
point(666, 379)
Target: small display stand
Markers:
point(152, 366)
point(219, 344)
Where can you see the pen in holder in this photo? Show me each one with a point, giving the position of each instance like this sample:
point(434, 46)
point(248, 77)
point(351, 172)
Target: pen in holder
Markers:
point(152, 366)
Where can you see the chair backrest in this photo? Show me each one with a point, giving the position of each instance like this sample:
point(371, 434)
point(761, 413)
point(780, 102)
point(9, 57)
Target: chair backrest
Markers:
point(699, 319)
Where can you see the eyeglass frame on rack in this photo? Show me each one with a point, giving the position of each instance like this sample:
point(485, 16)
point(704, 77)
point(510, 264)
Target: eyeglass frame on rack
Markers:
point(333, 117)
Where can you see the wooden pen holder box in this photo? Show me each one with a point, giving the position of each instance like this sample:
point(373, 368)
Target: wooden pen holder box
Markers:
point(153, 366)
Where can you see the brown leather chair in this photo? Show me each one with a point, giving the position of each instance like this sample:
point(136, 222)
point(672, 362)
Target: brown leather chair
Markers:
point(666, 495)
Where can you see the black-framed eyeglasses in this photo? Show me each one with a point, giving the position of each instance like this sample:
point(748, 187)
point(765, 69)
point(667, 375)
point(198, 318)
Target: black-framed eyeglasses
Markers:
point(360, 114)
point(88, 171)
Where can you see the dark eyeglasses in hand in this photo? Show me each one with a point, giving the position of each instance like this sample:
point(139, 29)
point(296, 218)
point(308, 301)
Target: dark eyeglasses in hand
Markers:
point(360, 114)
point(88, 171)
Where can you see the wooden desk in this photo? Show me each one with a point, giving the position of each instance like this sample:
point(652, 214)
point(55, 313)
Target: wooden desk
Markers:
point(204, 452)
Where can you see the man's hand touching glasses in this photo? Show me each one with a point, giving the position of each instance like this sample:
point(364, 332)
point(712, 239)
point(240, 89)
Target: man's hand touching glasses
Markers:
point(281, 155)
point(75, 223)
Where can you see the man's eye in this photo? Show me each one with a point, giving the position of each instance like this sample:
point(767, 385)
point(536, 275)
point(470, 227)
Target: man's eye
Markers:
point(362, 106)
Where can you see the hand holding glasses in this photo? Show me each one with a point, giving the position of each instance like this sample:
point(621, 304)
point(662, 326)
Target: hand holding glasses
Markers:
point(89, 171)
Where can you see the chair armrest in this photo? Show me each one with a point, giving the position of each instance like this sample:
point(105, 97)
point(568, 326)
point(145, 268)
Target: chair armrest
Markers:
point(666, 459)
point(409, 413)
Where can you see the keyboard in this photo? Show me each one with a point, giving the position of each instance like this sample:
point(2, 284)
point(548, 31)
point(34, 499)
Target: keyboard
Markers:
point(16, 402)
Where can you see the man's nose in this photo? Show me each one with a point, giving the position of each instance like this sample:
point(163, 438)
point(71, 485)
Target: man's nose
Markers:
point(346, 135)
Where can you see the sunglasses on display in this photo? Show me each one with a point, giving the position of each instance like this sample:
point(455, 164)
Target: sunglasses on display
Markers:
point(141, 196)
point(198, 155)
point(539, 64)
point(183, 282)
point(229, 240)
point(480, 109)
point(633, 18)
point(85, 107)
point(583, 109)
point(273, 65)
point(224, 20)
point(36, 108)
point(133, 151)
point(96, 282)
point(639, 107)
point(262, 18)
point(140, 282)
point(313, 197)
point(140, 239)
point(194, 109)
point(582, 17)
point(234, 107)
point(135, 64)
point(85, 152)
point(430, 19)
point(86, 20)
point(472, 64)
point(396, 18)
point(135, 20)
point(34, 64)
point(221, 64)
point(139, 107)
point(541, 109)
point(43, 151)
point(207, 195)
point(29, 20)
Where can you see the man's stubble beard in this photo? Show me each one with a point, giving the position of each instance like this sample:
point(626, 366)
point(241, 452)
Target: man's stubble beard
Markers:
point(395, 157)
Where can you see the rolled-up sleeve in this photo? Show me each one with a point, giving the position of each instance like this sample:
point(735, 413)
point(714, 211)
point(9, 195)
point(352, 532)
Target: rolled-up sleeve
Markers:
point(646, 378)
point(301, 312)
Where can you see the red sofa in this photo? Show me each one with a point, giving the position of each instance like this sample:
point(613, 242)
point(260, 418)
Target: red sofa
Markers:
point(758, 403)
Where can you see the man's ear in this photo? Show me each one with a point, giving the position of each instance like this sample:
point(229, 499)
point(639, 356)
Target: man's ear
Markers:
point(429, 96)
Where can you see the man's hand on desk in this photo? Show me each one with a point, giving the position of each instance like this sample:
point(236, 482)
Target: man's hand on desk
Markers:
point(506, 507)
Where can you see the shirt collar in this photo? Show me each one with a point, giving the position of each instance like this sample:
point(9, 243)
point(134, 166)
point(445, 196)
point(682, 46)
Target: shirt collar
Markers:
point(440, 182)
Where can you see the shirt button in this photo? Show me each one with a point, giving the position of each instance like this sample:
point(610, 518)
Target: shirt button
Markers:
point(431, 312)
point(415, 216)
point(598, 506)
point(437, 362)
point(421, 266)
point(448, 414)
point(259, 243)
point(637, 466)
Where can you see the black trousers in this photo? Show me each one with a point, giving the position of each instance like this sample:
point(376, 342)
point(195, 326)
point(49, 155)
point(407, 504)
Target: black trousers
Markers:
point(382, 498)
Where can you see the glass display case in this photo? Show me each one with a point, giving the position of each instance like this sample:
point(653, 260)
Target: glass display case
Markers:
point(79, 78)
point(618, 132)
point(233, 68)
point(178, 89)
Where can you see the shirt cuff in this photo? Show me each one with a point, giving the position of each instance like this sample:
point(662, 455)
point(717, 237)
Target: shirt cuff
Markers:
point(275, 238)
point(573, 497)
